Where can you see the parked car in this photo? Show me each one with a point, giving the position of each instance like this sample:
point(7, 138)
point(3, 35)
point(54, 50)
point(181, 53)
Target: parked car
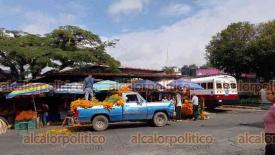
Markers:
point(135, 109)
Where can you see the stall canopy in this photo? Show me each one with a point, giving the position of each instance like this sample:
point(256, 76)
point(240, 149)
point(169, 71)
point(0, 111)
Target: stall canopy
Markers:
point(181, 83)
point(6, 87)
point(70, 88)
point(30, 89)
point(146, 84)
point(106, 85)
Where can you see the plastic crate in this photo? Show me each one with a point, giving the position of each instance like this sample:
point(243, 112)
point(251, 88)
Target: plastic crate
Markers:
point(23, 127)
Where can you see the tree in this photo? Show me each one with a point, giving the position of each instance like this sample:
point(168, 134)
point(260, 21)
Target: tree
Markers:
point(205, 66)
point(262, 51)
point(68, 46)
point(189, 70)
point(244, 48)
point(169, 70)
point(229, 49)
point(23, 55)
point(82, 48)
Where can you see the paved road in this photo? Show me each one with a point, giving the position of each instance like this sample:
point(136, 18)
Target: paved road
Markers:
point(225, 126)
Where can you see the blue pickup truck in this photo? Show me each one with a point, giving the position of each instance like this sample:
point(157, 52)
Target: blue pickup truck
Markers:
point(136, 108)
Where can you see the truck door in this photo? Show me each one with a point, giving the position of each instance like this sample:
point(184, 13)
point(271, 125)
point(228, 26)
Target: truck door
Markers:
point(134, 108)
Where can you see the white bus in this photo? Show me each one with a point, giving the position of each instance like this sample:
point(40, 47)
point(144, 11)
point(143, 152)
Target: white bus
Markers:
point(218, 90)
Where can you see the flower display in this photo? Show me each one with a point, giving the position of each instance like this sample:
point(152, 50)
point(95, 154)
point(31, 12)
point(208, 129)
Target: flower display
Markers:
point(26, 115)
point(108, 103)
point(187, 108)
point(204, 115)
point(124, 89)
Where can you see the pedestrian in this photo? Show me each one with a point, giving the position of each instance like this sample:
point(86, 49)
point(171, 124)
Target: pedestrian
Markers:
point(178, 107)
point(88, 86)
point(269, 124)
point(164, 99)
point(45, 114)
point(195, 102)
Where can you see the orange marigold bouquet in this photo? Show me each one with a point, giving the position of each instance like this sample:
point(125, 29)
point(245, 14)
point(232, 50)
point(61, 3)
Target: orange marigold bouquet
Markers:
point(108, 103)
point(124, 89)
point(26, 115)
point(187, 108)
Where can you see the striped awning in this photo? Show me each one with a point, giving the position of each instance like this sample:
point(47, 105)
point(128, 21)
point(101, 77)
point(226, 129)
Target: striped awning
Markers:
point(30, 89)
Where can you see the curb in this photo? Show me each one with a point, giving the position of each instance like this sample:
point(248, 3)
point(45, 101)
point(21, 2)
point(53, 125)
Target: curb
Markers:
point(241, 107)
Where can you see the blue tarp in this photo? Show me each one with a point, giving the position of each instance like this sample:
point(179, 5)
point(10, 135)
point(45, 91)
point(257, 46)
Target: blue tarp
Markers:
point(146, 84)
point(180, 83)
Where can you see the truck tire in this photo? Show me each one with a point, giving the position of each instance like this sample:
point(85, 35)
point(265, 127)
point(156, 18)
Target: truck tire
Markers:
point(100, 123)
point(160, 119)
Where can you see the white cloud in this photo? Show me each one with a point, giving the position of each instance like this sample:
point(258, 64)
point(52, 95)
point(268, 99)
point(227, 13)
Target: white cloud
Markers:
point(127, 6)
point(186, 39)
point(176, 9)
point(40, 23)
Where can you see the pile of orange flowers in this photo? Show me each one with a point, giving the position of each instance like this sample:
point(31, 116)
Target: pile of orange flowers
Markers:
point(26, 115)
point(204, 115)
point(187, 108)
point(124, 89)
point(108, 103)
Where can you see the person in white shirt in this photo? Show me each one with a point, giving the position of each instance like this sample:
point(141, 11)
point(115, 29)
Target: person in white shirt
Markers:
point(195, 102)
point(178, 107)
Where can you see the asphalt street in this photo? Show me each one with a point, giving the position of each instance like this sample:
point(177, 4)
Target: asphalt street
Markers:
point(225, 126)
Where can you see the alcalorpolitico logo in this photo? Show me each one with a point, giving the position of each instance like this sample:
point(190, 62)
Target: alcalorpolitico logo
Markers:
point(79, 138)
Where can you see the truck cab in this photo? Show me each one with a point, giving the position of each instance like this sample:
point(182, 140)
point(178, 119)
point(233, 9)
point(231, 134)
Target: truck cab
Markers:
point(136, 108)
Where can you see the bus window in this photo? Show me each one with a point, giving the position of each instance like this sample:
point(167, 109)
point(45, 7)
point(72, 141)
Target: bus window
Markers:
point(203, 85)
point(210, 85)
point(225, 85)
point(233, 85)
point(219, 86)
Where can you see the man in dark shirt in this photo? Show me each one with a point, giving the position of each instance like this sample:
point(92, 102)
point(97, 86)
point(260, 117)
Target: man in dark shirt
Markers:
point(88, 86)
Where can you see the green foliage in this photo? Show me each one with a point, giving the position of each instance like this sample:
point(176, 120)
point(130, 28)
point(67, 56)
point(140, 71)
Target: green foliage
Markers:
point(168, 70)
point(244, 48)
point(189, 70)
point(64, 47)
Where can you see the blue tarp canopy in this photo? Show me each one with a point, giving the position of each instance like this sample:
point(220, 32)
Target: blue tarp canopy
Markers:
point(70, 88)
point(181, 83)
point(146, 84)
point(106, 85)
point(77, 87)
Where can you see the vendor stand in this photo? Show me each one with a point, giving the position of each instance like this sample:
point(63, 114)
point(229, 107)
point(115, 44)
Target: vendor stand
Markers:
point(26, 120)
point(187, 107)
point(147, 87)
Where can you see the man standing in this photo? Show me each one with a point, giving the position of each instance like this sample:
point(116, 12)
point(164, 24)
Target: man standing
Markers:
point(178, 107)
point(195, 102)
point(45, 114)
point(88, 86)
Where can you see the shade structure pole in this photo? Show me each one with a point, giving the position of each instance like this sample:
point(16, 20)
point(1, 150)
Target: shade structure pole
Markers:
point(34, 103)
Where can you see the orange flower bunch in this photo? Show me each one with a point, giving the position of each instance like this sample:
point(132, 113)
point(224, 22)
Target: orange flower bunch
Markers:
point(204, 115)
point(26, 115)
point(80, 103)
point(187, 108)
point(124, 89)
point(108, 103)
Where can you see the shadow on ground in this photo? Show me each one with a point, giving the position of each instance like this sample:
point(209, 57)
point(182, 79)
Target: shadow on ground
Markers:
point(217, 110)
point(256, 124)
point(113, 126)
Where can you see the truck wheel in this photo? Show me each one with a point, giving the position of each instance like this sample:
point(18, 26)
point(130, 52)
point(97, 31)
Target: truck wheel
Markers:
point(100, 123)
point(160, 119)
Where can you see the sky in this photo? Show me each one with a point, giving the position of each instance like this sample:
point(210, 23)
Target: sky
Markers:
point(151, 33)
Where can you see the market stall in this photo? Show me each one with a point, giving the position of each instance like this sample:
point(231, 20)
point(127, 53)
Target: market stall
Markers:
point(187, 107)
point(28, 119)
point(147, 87)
